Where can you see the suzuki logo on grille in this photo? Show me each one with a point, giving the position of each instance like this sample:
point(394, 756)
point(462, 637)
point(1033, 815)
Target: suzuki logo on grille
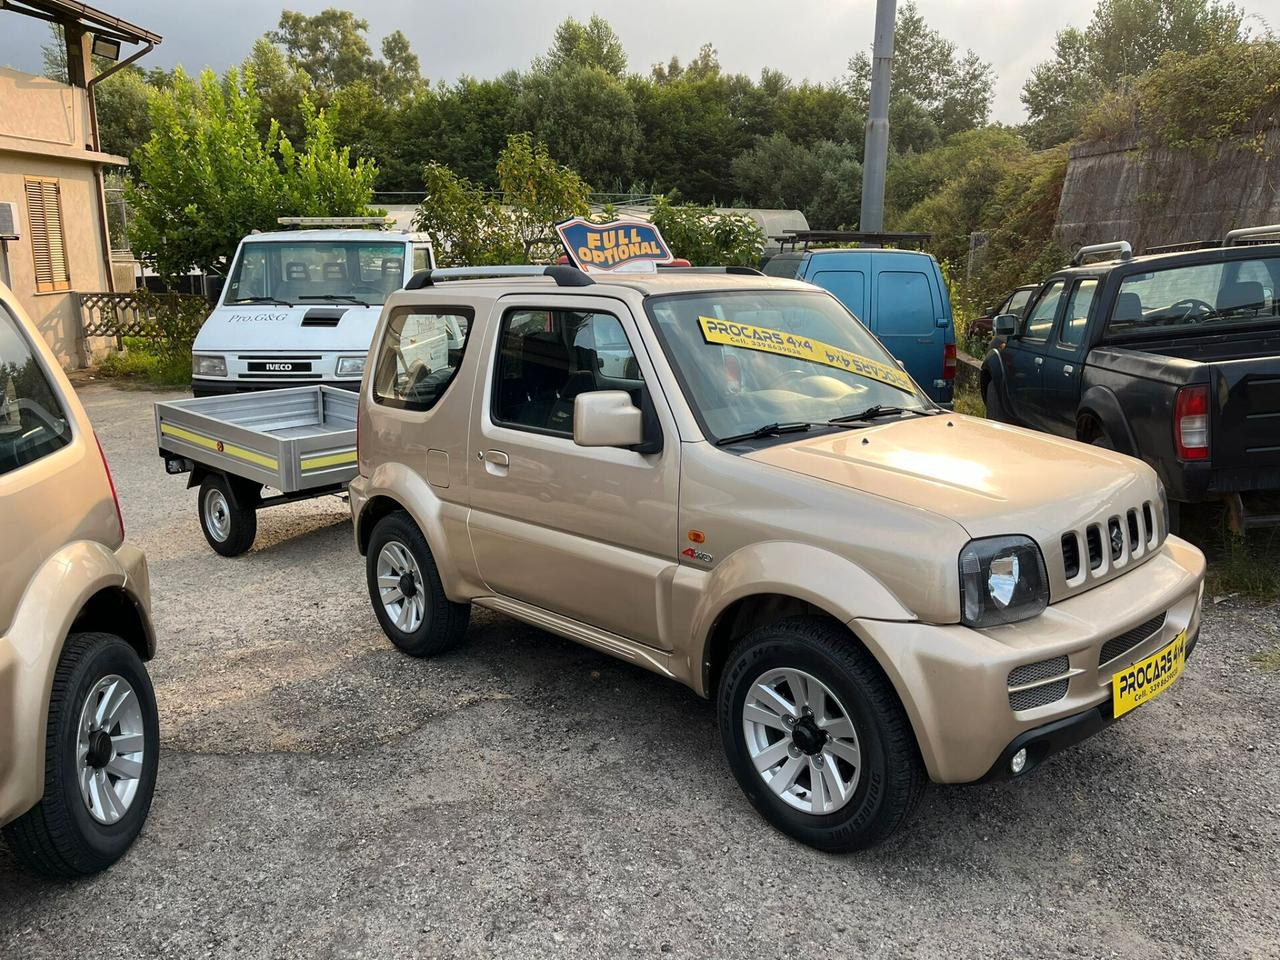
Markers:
point(1117, 541)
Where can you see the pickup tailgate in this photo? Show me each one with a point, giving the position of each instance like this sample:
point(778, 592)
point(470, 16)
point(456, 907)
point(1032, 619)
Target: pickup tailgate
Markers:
point(1245, 430)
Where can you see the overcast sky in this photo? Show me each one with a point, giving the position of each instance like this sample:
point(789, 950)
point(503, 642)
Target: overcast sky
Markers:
point(483, 38)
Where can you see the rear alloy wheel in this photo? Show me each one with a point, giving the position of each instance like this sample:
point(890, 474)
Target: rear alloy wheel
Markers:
point(816, 736)
point(101, 753)
point(406, 592)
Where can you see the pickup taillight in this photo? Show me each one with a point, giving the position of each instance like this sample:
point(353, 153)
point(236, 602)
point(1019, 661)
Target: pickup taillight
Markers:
point(115, 498)
point(1191, 422)
point(949, 362)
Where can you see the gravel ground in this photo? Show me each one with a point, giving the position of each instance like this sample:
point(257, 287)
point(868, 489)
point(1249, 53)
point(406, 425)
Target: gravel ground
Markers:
point(321, 795)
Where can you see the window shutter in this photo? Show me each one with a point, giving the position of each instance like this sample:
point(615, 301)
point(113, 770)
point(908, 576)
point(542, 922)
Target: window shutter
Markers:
point(44, 211)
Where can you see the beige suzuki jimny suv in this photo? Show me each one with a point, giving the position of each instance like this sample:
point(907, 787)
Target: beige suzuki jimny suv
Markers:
point(79, 738)
point(726, 479)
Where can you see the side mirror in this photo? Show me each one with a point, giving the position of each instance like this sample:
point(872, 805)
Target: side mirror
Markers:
point(1005, 325)
point(607, 418)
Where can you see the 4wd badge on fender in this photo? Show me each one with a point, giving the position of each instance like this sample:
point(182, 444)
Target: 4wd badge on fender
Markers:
point(699, 555)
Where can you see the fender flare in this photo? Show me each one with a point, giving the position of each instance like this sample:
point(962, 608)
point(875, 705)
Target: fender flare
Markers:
point(48, 608)
point(833, 584)
point(395, 481)
point(1103, 405)
point(993, 372)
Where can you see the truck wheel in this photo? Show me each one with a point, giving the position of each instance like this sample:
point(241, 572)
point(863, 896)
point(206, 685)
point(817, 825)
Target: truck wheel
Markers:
point(817, 737)
point(101, 750)
point(995, 409)
point(405, 589)
point(228, 525)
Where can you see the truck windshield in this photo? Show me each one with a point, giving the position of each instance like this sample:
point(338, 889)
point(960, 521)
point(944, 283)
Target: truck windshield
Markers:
point(316, 271)
point(753, 357)
point(1204, 297)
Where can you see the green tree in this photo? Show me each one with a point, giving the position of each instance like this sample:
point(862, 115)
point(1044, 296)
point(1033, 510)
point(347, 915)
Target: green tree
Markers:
point(207, 177)
point(468, 225)
point(705, 64)
point(330, 47)
point(707, 238)
point(823, 180)
point(1124, 39)
point(587, 119)
point(936, 90)
point(282, 87)
point(590, 44)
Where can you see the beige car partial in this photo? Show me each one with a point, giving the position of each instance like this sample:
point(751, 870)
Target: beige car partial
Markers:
point(79, 737)
point(753, 502)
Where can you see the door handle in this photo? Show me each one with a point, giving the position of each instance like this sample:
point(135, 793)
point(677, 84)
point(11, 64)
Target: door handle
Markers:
point(1039, 361)
point(1068, 370)
point(496, 462)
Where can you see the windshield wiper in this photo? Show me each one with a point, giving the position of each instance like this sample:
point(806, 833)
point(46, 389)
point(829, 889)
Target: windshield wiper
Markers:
point(877, 411)
point(768, 430)
point(283, 303)
point(333, 296)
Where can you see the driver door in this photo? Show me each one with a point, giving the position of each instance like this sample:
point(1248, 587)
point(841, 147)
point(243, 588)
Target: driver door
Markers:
point(586, 532)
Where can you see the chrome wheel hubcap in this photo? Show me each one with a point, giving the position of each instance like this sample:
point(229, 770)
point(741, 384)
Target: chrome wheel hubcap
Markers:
point(110, 747)
point(802, 741)
point(400, 587)
point(217, 515)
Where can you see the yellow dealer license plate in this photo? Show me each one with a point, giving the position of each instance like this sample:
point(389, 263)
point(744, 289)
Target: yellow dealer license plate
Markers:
point(1147, 679)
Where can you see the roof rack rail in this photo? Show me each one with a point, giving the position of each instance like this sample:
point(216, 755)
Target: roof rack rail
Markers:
point(1120, 247)
point(382, 223)
point(1182, 247)
point(733, 269)
point(1254, 234)
point(564, 276)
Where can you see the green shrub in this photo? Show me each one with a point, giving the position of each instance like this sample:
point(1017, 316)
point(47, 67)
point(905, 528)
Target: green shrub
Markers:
point(149, 361)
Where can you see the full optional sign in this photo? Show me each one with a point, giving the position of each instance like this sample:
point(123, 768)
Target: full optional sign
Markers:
point(618, 247)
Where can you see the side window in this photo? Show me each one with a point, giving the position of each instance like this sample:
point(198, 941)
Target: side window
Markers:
point(905, 303)
point(32, 423)
point(848, 286)
point(1077, 316)
point(419, 355)
point(547, 357)
point(1017, 303)
point(1040, 320)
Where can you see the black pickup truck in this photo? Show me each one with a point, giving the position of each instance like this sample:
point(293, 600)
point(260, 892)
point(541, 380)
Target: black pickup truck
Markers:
point(1173, 357)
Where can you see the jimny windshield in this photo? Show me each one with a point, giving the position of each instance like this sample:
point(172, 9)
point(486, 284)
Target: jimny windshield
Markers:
point(747, 358)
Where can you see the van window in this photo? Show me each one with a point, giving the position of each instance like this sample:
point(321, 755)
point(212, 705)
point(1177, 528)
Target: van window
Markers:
point(32, 423)
point(785, 265)
point(547, 357)
point(905, 303)
point(848, 286)
point(419, 355)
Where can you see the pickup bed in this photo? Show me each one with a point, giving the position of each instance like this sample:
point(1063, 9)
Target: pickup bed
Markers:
point(1174, 358)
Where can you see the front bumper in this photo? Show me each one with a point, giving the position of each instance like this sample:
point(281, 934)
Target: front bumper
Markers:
point(954, 681)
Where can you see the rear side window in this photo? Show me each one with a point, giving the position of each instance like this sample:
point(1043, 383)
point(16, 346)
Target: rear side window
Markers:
point(1199, 296)
point(546, 358)
point(32, 421)
point(905, 304)
point(1077, 316)
point(419, 355)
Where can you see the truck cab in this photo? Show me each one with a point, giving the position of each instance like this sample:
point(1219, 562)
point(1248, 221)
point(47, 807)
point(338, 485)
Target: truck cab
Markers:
point(300, 306)
point(899, 295)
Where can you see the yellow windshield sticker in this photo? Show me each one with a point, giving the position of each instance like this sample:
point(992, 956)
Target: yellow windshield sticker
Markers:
point(801, 348)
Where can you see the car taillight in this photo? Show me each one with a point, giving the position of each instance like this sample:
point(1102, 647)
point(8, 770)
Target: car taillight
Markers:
point(949, 362)
point(1191, 422)
point(115, 498)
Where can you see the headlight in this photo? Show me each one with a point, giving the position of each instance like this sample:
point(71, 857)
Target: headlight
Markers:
point(203, 366)
point(1002, 580)
point(350, 366)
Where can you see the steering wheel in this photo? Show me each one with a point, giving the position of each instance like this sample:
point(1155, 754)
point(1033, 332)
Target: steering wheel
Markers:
point(1196, 309)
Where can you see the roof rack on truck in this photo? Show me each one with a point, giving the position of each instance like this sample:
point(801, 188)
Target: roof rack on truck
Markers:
point(1122, 249)
point(329, 223)
point(1251, 235)
point(808, 237)
point(1184, 247)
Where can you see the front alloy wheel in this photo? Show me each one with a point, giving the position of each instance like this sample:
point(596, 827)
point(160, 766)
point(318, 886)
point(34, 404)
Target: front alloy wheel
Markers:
point(110, 748)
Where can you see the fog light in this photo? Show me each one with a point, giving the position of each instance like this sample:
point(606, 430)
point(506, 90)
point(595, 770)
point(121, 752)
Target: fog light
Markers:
point(1019, 761)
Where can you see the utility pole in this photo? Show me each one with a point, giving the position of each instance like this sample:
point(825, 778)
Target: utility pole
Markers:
point(876, 155)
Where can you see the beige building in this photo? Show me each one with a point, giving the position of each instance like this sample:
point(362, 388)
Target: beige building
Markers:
point(53, 227)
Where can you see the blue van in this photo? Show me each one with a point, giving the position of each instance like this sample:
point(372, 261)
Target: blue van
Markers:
point(898, 294)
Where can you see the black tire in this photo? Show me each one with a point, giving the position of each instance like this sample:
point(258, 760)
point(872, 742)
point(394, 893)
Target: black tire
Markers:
point(444, 623)
point(1102, 441)
point(241, 517)
point(892, 777)
point(58, 837)
point(995, 409)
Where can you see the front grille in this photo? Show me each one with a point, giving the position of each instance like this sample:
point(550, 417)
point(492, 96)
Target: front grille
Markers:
point(1116, 538)
point(1148, 520)
point(1093, 536)
point(1135, 537)
point(1070, 555)
point(1038, 673)
point(1118, 646)
point(1034, 697)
